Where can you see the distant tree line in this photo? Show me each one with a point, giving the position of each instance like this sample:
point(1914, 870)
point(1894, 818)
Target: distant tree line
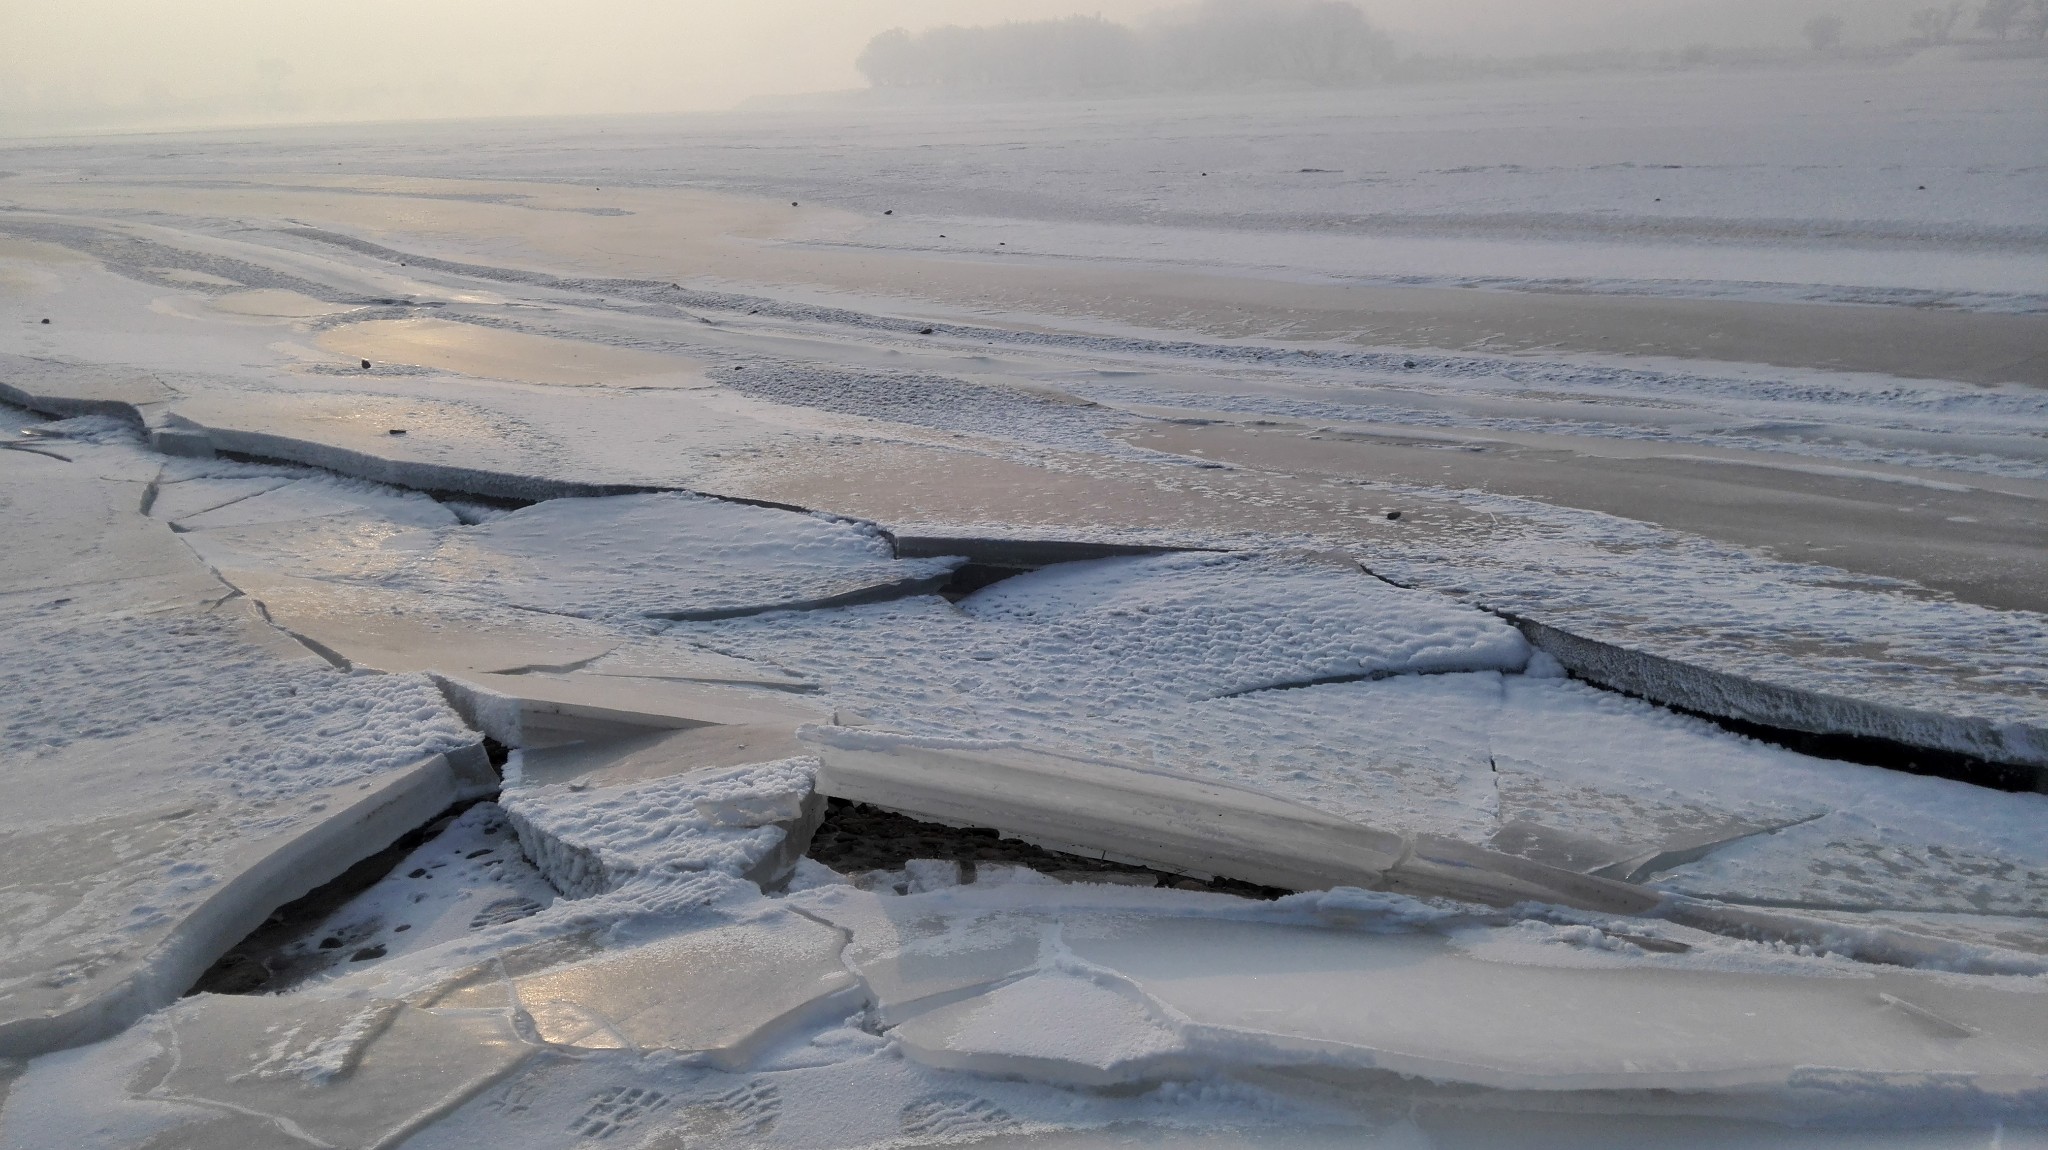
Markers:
point(2003, 19)
point(1217, 44)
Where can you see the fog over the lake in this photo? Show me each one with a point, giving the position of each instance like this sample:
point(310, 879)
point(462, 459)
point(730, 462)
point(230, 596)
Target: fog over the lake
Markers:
point(94, 64)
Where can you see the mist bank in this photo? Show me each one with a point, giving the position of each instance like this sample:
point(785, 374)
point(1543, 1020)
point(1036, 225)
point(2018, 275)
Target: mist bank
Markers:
point(1224, 45)
point(1215, 45)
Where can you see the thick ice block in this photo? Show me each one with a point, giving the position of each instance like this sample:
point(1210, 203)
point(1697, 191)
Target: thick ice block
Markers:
point(542, 709)
point(1176, 823)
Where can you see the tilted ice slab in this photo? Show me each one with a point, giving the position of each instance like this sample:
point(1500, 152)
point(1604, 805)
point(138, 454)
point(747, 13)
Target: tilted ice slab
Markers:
point(177, 767)
point(1149, 984)
point(674, 556)
point(1204, 626)
point(1176, 823)
point(670, 555)
point(1545, 768)
point(648, 755)
point(371, 628)
point(539, 710)
point(1695, 624)
point(1674, 618)
point(695, 965)
point(1619, 779)
point(1160, 631)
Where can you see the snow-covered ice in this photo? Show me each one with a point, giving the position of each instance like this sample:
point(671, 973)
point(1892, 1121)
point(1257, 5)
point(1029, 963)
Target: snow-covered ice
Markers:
point(554, 563)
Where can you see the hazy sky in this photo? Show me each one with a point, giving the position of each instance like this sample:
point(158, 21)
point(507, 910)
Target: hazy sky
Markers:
point(90, 62)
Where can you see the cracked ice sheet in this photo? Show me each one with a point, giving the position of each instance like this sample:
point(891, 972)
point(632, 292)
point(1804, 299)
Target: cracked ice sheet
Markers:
point(595, 435)
point(1122, 633)
point(1709, 605)
point(1179, 982)
point(619, 557)
point(1618, 769)
point(157, 731)
point(1122, 660)
point(1126, 659)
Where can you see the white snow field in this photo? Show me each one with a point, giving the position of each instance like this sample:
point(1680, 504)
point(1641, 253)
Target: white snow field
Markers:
point(1467, 616)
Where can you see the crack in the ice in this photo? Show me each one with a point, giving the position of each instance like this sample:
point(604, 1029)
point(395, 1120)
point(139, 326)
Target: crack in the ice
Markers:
point(1330, 680)
point(1642, 867)
point(30, 449)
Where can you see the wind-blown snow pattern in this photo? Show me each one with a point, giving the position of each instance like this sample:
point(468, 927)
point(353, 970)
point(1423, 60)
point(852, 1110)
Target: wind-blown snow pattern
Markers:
point(1215, 625)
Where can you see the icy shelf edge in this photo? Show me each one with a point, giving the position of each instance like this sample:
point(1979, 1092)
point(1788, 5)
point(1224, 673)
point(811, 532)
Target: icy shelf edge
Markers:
point(363, 820)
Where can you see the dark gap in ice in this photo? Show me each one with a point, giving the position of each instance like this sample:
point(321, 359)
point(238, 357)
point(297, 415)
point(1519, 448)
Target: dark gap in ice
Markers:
point(971, 577)
point(880, 593)
point(411, 477)
point(498, 753)
point(1871, 751)
point(258, 964)
point(42, 451)
point(856, 838)
point(494, 502)
point(1022, 554)
point(992, 560)
point(1317, 681)
point(1839, 746)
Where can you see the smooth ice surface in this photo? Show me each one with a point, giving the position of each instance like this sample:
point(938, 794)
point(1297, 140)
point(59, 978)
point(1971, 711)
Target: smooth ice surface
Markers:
point(670, 555)
point(1564, 1010)
point(1050, 1023)
point(270, 1071)
point(721, 991)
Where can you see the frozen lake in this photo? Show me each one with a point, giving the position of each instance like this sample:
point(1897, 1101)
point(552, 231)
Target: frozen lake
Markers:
point(1448, 615)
